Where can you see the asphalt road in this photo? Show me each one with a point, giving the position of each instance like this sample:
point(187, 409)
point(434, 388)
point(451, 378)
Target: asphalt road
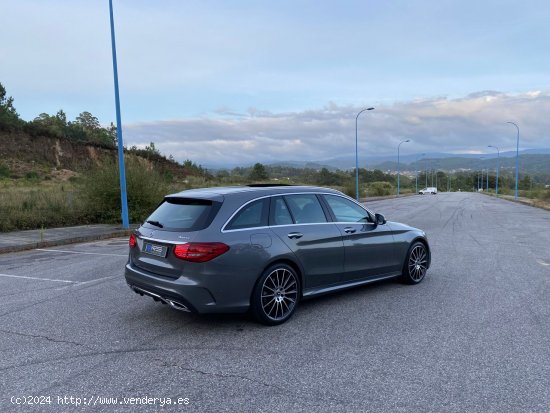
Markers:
point(473, 337)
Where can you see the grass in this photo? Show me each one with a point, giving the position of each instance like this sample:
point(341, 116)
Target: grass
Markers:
point(27, 204)
point(537, 197)
point(33, 202)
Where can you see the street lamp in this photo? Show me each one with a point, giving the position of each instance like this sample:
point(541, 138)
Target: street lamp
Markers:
point(480, 178)
point(416, 167)
point(408, 140)
point(517, 159)
point(120, 144)
point(426, 174)
point(357, 156)
point(498, 162)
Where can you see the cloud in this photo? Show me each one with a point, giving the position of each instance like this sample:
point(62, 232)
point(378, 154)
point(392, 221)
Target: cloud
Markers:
point(438, 124)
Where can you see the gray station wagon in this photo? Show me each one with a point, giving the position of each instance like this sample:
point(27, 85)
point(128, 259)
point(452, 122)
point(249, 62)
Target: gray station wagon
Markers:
point(264, 248)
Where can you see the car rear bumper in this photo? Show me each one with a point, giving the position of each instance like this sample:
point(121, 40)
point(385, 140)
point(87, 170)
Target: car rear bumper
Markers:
point(182, 293)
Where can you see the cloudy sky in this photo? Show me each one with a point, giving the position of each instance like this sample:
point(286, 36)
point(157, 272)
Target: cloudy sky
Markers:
point(241, 81)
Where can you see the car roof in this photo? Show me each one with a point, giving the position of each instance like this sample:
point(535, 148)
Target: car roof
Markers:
point(219, 193)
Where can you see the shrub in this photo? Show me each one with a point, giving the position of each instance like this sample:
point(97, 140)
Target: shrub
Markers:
point(145, 189)
point(32, 176)
point(4, 171)
point(380, 189)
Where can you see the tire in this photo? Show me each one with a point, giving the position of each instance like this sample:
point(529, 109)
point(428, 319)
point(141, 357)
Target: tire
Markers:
point(276, 295)
point(416, 264)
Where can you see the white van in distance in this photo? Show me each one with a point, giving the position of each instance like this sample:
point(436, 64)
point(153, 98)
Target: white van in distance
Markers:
point(429, 190)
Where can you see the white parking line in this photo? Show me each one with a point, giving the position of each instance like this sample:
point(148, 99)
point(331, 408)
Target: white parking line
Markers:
point(84, 253)
point(99, 279)
point(39, 279)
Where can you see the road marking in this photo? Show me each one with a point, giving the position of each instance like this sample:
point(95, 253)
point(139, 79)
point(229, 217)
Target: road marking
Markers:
point(98, 279)
point(541, 262)
point(39, 279)
point(84, 253)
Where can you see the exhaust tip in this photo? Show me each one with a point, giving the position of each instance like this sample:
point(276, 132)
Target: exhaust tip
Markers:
point(176, 305)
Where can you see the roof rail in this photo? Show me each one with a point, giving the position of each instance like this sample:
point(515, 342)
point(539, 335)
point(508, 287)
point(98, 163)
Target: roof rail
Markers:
point(266, 185)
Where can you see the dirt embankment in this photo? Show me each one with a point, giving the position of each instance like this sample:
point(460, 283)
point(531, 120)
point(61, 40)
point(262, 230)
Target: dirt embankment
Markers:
point(24, 154)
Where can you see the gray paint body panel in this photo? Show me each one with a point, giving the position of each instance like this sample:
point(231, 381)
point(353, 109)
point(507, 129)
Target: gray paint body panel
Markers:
point(327, 258)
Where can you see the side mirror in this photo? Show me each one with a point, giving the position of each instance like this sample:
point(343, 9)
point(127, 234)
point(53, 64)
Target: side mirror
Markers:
point(379, 218)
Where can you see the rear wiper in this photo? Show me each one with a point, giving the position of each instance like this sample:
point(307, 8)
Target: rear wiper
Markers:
point(155, 223)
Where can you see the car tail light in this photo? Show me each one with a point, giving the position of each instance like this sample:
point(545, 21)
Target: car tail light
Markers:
point(132, 241)
point(200, 251)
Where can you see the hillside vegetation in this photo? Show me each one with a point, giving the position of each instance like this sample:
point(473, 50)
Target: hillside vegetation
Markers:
point(56, 172)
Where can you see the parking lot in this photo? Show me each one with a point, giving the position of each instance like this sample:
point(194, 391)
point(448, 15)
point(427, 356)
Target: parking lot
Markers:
point(474, 336)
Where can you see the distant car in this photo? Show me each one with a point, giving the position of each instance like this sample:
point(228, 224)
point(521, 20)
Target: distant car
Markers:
point(266, 248)
point(429, 190)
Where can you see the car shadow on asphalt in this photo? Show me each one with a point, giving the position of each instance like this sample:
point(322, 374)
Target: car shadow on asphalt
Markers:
point(174, 319)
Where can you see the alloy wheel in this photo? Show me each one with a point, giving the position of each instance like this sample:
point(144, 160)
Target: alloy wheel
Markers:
point(279, 294)
point(418, 262)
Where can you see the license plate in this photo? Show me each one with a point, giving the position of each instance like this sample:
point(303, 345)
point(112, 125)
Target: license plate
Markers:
point(153, 249)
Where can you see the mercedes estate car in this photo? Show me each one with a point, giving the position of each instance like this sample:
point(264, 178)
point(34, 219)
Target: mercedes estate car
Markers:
point(263, 249)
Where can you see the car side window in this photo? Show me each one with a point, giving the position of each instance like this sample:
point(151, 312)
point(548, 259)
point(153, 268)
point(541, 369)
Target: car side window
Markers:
point(306, 209)
point(345, 210)
point(280, 215)
point(251, 216)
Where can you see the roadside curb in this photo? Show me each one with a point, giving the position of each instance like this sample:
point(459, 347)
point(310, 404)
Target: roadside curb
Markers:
point(65, 241)
point(380, 198)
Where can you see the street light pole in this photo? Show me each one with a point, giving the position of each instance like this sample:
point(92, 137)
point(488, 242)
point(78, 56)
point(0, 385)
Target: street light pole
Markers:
point(357, 156)
point(426, 174)
point(416, 167)
point(480, 179)
point(120, 143)
point(482, 170)
point(498, 165)
point(517, 159)
point(408, 140)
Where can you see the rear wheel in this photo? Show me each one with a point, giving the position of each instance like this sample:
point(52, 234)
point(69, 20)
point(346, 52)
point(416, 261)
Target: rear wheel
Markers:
point(276, 295)
point(416, 264)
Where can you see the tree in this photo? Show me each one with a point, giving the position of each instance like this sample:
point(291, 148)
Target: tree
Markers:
point(258, 173)
point(45, 124)
point(87, 121)
point(86, 127)
point(9, 118)
point(525, 182)
point(151, 150)
point(325, 177)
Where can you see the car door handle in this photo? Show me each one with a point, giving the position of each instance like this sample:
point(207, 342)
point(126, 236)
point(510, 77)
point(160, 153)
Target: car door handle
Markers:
point(349, 230)
point(295, 235)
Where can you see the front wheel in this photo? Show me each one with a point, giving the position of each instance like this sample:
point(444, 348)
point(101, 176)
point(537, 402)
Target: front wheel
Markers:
point(276, 295)
point(416, 264)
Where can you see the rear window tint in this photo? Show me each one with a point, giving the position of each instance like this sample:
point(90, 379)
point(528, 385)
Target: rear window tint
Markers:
point(183, 214)
point(250, 216)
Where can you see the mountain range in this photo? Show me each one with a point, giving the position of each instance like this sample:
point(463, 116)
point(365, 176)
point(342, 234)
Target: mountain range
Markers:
point(437, 160)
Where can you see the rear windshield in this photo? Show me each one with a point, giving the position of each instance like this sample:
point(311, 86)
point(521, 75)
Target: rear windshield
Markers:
point(183, 214)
